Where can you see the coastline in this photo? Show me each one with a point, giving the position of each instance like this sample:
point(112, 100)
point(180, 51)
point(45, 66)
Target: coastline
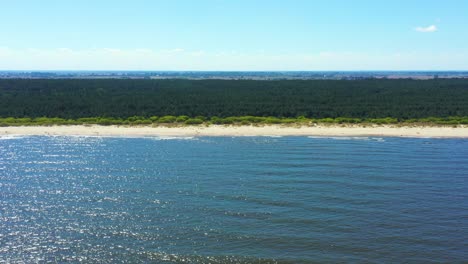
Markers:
point(224, 130)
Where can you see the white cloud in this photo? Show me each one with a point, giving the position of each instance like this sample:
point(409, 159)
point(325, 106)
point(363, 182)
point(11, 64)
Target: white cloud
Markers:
point(148, 59)
point(112, 50)
point(428, 29)
point(64, 50)
point(4, 51)
point(175, 50)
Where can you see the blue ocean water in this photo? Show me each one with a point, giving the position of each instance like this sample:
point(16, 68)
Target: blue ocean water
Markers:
point(233, 200)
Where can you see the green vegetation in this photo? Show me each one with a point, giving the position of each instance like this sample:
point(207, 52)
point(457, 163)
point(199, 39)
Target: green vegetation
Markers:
point(240, 102)
point(194, 121)
point(241, 120)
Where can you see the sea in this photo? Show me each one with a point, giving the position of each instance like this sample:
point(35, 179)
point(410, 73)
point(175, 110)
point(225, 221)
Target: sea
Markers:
point(71, 199)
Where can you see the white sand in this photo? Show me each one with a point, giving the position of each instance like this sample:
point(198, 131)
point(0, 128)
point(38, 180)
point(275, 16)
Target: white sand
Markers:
point(220, 130)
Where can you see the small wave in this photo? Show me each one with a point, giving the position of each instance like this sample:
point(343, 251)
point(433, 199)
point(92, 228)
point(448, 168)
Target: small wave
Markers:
point(378, 139)
point(7, 137)
point(78, 137)
point(172, 138)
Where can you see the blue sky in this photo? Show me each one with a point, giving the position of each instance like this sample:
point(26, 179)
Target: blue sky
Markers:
point(233, 35)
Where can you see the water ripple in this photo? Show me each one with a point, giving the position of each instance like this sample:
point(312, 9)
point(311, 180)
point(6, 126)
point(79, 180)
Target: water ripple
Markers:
point(233, 200)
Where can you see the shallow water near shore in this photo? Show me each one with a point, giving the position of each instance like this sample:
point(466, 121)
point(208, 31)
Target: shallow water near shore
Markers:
point(233, 199)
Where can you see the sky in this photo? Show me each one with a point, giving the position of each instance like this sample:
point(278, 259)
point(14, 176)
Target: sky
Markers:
point(235, 35)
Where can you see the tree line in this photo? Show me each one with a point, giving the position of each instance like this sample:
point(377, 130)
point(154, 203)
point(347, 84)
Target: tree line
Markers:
point(117, 99)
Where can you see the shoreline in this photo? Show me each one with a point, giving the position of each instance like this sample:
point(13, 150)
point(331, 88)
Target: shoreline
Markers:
point(223, 130)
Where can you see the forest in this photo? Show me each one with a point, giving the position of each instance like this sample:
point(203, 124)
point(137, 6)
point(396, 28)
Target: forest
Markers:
point(117, 99)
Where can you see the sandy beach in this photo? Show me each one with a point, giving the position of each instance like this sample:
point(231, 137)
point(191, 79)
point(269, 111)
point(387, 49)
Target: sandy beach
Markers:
point(220, 130)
